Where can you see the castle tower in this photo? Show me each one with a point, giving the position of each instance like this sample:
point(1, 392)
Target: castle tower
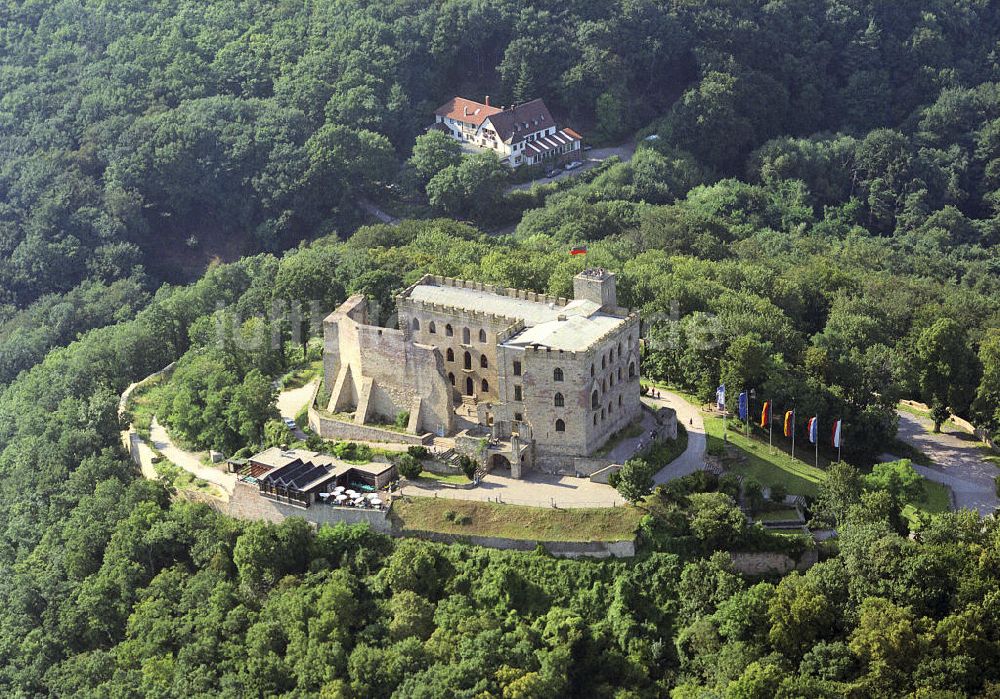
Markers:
point(597, 285)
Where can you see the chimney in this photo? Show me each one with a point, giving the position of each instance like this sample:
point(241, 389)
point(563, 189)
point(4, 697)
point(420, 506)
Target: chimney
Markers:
point(487, 100)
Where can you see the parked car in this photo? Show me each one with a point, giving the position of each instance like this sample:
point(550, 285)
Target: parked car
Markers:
point(552, 173)
point(573, 165)
point(289, 423)
point(587, 147)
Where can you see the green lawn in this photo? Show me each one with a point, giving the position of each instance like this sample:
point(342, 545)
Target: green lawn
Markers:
point(937, 498)
point(995, 460)
point(783, 515)
point(457, 479)
point(515, 521)
point(768, 466)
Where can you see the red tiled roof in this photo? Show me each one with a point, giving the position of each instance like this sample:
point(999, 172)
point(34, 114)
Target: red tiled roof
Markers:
point(466, 110)
point(572, 134)
point(513, 124)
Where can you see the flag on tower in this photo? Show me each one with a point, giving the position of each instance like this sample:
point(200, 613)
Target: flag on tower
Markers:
point(789, 416)
point(836, 434)
point(765, 414)
point(813, 430)
point(743, 405)
point(720, 397)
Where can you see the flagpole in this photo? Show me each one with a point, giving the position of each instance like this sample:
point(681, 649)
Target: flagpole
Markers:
point(793, 429)
point(770, 430)
point(817, 442)
point(840, 441)
point(746, 393)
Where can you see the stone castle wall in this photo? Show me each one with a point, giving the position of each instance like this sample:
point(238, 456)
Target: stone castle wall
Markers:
point(375, 371)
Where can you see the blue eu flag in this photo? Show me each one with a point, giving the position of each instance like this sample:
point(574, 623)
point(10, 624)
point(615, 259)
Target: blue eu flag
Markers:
point(743, 406)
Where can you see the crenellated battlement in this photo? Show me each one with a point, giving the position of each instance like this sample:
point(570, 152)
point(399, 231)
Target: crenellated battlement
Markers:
point(534, 296)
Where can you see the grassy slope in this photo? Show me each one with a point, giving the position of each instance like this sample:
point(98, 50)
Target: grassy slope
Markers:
point(800, 477)
point(515, 521)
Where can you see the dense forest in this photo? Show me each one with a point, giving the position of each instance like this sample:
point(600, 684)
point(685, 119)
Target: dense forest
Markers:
point(818, 216)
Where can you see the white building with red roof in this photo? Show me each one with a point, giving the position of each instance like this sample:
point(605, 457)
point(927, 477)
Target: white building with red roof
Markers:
point(521, 134)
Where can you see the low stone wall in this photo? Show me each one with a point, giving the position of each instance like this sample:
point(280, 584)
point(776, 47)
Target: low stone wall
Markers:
point(246, 503)
point(604, 474)
point(563, 549)
point(329, 428)
point(767, 563)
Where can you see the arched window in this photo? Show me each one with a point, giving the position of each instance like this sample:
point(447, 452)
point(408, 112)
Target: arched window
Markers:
point(486, 386)
point(595, 418)
point(602, 415)
point(619, 401)
point(611, 380)
point(612, 354)
point(560, 426)
point(631, 370)
point(604, 362)
point(468, 360)
point(557, 374)
point(484, 362)
point(466, 336)
point(451, 377)
point(595, 400)
point(469, 386)
point(591, 369)
point(450, 355)
point(482, 335)
point(448, 330)
point(559, 401)
point(619, 373)
point(431, 328)
point(416, 324)
point(619, 350)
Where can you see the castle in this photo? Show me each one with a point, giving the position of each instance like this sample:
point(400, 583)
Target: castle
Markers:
point(535, 381)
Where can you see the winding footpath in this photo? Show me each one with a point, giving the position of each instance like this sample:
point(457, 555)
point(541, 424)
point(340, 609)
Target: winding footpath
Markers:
point(693, 458)
point(189, 461)
point(957, 463)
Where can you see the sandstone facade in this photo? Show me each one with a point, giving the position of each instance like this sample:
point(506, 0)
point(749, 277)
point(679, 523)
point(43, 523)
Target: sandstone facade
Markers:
point(539, 380)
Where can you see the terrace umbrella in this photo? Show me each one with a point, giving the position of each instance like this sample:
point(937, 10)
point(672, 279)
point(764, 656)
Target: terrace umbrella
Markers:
point(340, 497)
point(376, 501)
point(339, 489)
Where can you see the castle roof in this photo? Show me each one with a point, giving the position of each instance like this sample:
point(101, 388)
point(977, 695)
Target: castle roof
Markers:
point(571, 326)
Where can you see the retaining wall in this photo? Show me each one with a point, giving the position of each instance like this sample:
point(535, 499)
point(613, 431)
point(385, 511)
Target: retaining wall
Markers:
point(246, 503)
point(563, 549)
point(329, 428)
point(767, 563)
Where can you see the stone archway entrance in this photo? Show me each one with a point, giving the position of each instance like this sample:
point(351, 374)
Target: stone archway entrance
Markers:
point(470, 386)
point(499, 461)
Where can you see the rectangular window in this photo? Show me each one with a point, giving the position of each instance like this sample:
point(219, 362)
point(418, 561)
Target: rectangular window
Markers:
point(517, 393)
point(517, 368)
point(518, 417)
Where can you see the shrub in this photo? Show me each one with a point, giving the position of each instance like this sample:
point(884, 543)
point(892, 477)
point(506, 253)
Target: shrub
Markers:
point(635, 480)
point(463, 520)
point(778, 492)
point(409, 467)
point(418, 451)
point(468, 466)
point(402, 419)
point(753, 494)
point(730, 485)
point(450, 515)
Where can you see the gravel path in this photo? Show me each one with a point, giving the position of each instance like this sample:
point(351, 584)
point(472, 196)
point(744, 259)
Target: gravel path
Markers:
point(290, 402)
point(958, 463)
point(535, 490)
point(189, 461)
point(590, 159)
point(693, 458)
